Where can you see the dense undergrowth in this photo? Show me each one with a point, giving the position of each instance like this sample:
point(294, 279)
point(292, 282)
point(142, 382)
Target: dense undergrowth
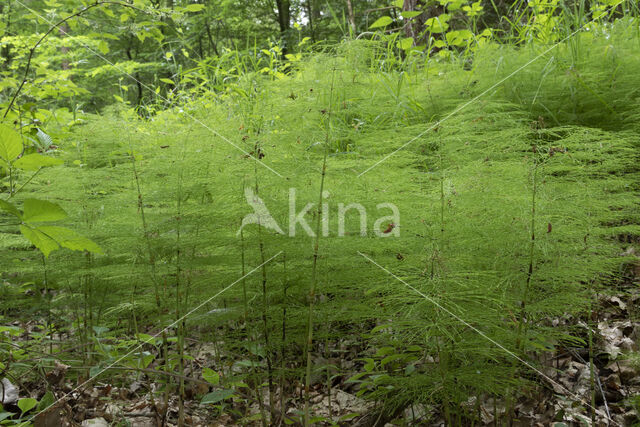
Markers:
point(512, 217)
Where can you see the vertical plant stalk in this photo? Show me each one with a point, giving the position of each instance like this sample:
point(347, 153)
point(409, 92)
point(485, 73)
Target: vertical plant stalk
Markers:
point(592, 373)
point(48, 302)
point(265, 301)
point(314, 268)
point(329, 376)
point(87, 288)
point(283, 409)
point(152, 265)
point(88, 309)
point(244, 280)
point(134, 329)
point(532, 247)
point(167, 390)
point(443, 355)
point(145, 229)
point(179, 303)
point(522, 320)
point(263, 415)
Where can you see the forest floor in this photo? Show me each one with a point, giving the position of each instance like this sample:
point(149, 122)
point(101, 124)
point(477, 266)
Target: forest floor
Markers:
point(618, 382)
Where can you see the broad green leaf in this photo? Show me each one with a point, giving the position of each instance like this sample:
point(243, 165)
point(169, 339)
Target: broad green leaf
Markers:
point(304, 40)
point(474, 10)
point(5, 415)
point(27, 404)
point(438, 24)
point(95, 371)
point(390, 359)
point(411, 14)
point(10, 143)
point(42, 211)
point(99, 330)
point(397, 3)
point(108, 12)
point(70, 239)
point(356, 377)
point(47, 400)
point(405, 44)
point(35, 161)
point(217, 396)
point(168, 81)
point(348, 417)
point(369, 365)
point(459, 37)
point(452, 5)
point(382, 22)
point(8, 207)
point(384, 351)
point(146, 359)
point(103, 47)
point(210, 376)
point(105, 35)
point(44, 243)
point(194, 7)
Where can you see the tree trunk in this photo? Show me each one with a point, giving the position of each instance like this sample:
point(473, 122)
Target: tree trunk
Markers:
point(414, 26)
point(64, 31)
point(212, 45)
point(284, 19)
point(309, 6)
point(352, 18)
point(284, 15)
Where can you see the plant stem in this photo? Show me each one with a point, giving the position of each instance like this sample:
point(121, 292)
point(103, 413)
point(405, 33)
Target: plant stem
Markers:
point(284, 335)
point(525, 296)
point(179, 302)
point(265, 301)
point(591, 366)
point(314, 270)
point(145, 229)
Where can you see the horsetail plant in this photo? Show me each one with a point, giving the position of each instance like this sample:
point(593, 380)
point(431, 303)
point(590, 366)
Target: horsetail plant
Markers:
point(314, 268)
